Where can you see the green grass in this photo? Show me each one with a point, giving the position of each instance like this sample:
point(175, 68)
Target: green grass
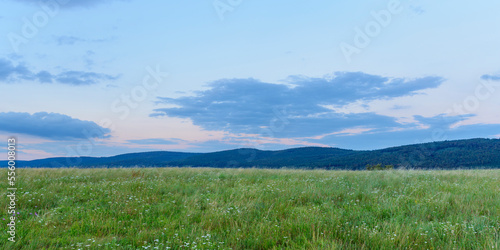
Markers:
point(185, 208)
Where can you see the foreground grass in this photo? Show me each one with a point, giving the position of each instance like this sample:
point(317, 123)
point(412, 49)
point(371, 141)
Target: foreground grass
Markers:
point(181, 208)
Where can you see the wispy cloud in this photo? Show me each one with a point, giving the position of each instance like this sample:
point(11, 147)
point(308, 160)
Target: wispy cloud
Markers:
point(51, 125)
point(11, 72)
point(491, 77)
point(82, 77)
point(76, 3)
point(71, 40)
point(419, 10)
point(156, 141)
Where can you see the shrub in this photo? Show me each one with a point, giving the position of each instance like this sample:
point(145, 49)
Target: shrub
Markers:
point(379, 167)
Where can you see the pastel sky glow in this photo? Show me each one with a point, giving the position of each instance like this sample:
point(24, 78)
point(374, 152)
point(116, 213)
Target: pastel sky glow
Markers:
point(100, 78)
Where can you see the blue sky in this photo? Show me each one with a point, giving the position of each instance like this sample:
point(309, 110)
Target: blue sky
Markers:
point(103, 78)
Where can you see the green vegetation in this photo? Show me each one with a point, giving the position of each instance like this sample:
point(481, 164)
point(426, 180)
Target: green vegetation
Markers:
point(379, 167)
point(254, 209)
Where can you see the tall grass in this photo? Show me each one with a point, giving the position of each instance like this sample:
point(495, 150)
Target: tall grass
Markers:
point(188, 208)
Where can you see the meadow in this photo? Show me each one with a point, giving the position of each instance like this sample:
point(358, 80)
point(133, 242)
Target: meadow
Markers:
point(201, 208)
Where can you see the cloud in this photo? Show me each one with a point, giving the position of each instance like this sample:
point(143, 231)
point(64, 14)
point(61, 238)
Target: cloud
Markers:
point(82, 78)
point(491, 77)
point(155, 141)
point(437, 128)
point(419, 10)
point(89, 62)
point(51, 125)
point(441, 121)
point(74, 3)
point(71, 149)
point(68, 40)
point(294, 110)
point(71, 40)
point(44, 77)
point(9, 72)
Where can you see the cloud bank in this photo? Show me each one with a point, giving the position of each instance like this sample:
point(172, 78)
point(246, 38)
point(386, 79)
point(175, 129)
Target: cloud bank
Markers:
point(51, 125)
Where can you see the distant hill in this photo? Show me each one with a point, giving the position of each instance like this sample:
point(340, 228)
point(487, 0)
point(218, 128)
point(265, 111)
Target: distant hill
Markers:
point(472, 153)
point(159, 158)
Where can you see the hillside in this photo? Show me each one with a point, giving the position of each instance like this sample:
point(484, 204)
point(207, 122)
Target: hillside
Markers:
point(472, 153)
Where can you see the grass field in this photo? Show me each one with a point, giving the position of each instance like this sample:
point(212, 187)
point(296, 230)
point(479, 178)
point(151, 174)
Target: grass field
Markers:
point(190, 208)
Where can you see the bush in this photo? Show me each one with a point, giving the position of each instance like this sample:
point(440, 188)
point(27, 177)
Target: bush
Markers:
point(379, 167)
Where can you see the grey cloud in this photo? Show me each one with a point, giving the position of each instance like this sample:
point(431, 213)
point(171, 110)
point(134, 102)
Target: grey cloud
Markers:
point(9, 72)
point(251, 106)
point(51, 125)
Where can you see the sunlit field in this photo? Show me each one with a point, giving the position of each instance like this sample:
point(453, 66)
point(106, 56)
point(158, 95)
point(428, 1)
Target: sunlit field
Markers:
point(198, 208)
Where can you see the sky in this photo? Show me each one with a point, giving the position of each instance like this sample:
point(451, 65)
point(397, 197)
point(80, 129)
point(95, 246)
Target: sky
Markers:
point(101, 78)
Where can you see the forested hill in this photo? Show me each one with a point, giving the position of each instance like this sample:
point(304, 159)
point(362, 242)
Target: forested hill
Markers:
point(472, 153)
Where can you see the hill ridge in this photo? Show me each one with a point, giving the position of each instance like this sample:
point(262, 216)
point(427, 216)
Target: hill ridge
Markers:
point(449, 154)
